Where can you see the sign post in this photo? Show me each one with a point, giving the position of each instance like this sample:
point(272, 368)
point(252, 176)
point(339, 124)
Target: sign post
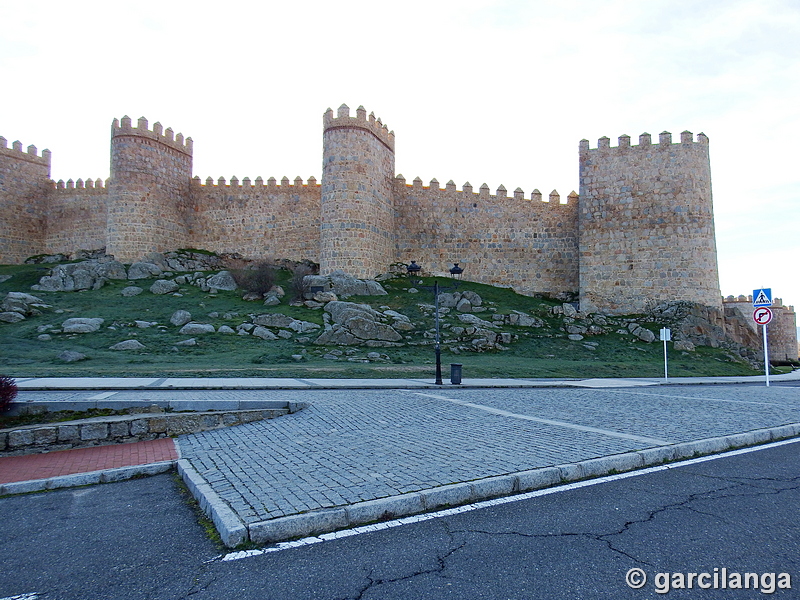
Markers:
point(666, 336)
point(762, 315)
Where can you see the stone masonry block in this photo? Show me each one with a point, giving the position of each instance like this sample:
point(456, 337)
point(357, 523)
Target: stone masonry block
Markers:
point(119, 429)
point(68, 433)
point(250, 416)
point(384, 508)
point(493, 487)
point(538, 479)
point(598, 467)
point(45, 435)
point(94, 431)
point(570, 472)
point(230, 418)
point(181, 424)
point(158, 425)
point(139, 427)
point(3, 440)
point(447, 495)
point(785, 431)
point(20, 437)
point(211, 421)
point(285, 528)
point(657, 456)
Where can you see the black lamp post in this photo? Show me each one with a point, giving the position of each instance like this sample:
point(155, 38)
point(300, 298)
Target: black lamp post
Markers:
point(414, 268)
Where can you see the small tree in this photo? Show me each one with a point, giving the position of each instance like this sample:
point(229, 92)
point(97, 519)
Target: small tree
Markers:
point(8, 391)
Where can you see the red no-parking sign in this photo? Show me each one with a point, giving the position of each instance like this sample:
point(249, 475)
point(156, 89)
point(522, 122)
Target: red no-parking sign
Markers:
point(762, 315)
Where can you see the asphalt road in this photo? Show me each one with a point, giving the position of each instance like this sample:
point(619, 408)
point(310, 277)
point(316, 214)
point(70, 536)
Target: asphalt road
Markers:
point(141, 539)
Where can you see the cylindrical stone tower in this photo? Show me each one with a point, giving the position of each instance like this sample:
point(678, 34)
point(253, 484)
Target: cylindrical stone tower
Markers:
point(357, 230)
point(646, 225)
point(148, 196)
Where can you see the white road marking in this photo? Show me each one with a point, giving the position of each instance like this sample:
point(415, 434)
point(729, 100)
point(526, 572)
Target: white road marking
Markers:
point(101, 396)
point(336, 535)
point(584, 428)
point(704, 399)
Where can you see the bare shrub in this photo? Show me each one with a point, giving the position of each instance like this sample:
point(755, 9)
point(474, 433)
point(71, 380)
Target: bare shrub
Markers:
point(258, 279)
point(8, 391)
point(299, 286)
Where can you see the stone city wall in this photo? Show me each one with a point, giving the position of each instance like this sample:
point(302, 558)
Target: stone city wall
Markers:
point(76, 216)
point(646, 224)
point(255, 219)
point(781, 332)
point(498, 239)
point(24, 184)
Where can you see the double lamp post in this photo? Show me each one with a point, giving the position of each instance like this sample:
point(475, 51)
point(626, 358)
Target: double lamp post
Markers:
point(455, 273)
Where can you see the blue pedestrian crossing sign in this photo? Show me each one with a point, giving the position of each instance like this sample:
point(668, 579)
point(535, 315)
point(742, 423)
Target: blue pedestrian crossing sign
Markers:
point(762, 297)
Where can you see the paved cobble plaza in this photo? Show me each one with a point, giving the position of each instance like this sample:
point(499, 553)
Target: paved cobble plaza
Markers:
point(349, 446)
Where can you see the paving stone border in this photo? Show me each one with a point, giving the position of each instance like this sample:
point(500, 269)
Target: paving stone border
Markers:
point(234, 531)
point(121, 429)
point(79, 479)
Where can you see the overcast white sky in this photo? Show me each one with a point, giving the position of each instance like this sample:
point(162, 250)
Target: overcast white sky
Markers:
point(488, 91)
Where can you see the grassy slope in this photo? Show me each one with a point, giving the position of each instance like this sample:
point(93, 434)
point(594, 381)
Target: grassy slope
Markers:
point(541, 352)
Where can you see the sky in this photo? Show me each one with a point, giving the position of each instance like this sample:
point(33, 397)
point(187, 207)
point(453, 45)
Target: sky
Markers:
point(485, 91)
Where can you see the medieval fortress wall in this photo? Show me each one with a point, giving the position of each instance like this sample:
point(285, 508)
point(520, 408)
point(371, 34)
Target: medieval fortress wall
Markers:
point(25, 188)
point(641, 231)
point(499, 239)
point(646, 223)
point(358, 227)
point(257, 219)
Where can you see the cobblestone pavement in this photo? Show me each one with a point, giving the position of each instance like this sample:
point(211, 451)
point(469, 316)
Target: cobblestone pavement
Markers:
point(355, 445)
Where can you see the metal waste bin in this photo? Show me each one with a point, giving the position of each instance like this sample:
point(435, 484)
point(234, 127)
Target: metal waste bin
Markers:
point(455, 373)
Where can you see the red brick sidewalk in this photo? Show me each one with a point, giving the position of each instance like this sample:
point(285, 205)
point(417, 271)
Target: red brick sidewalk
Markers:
point(85, 460)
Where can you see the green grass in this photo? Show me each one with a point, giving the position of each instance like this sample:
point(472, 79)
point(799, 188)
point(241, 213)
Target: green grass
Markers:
point(538, 353)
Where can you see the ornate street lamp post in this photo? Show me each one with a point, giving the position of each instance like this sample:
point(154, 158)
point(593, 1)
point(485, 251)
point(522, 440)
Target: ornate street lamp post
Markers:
point(456, 271)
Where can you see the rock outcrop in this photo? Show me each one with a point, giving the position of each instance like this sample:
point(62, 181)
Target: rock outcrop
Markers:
point(356, 324)
point(86, 275)
point(341, 284)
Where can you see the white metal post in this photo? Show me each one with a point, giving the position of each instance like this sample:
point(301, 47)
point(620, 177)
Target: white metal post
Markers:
point(766, 356)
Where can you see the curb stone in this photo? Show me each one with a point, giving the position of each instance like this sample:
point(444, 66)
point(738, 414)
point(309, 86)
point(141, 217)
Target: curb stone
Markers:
point(233, 531)
point(79, 479)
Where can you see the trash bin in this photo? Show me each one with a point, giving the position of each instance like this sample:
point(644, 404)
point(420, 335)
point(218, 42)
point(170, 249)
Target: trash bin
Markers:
point(455, 373)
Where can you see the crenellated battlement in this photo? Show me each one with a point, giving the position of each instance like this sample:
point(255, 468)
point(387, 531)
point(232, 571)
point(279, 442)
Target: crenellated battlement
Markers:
point(748, 299)
point(234, 182)
point(645, 142)
point(167, 136)
point(81, 184)
point(483, 193)
point(343, 120)
point(30, 155)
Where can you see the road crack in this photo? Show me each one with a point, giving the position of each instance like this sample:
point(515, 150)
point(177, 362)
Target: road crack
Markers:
point(441, 565)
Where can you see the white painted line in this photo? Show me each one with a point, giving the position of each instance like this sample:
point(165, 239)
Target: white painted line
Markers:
point(336, 535)
point(31, 596)
point(584, 428)
point(102, 396)
point(704, 399)
point(612, 383)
